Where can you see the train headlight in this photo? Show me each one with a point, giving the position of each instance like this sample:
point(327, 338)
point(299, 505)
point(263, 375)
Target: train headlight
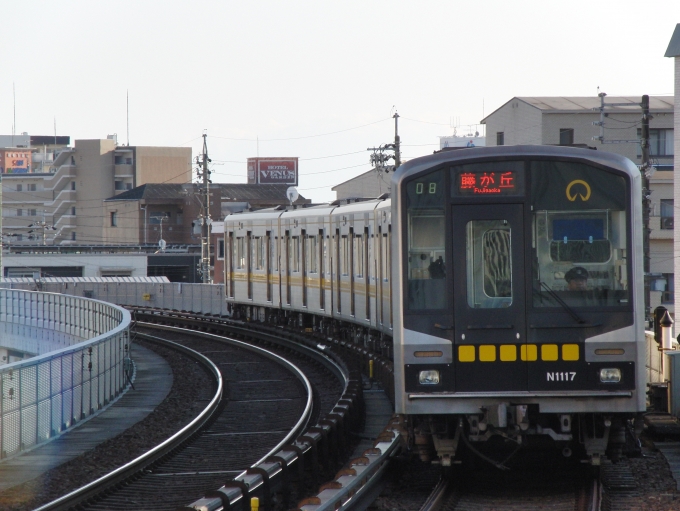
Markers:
point(610, 375)
point(429, 377)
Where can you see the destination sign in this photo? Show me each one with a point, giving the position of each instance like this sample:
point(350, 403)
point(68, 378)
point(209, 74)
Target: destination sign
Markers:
point(489, 183)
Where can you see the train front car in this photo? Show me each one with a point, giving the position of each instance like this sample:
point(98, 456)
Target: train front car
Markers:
point(518, 299)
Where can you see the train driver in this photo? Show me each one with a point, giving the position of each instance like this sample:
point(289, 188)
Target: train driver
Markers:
point(577, 279)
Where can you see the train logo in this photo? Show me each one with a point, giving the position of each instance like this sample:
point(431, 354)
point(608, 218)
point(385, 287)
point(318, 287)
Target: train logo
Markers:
point(571, 197)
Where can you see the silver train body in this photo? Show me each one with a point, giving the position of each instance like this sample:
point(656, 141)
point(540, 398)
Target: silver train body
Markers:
point(464, 277)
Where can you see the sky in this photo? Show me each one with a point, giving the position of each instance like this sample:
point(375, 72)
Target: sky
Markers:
point(316, 80)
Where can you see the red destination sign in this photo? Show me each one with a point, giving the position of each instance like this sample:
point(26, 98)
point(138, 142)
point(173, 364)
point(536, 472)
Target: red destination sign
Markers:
point(488, 183)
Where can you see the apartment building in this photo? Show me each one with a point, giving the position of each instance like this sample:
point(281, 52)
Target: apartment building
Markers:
point(570, 121)
point(59, 199)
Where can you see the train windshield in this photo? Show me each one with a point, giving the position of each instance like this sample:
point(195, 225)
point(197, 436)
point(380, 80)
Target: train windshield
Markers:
point(579, 236)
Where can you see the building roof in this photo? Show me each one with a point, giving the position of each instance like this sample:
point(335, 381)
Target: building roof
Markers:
point(674, 46)
point(251, 192)
point(155, 191)
point(360, 176)
point(228, 192)
point(588, 104)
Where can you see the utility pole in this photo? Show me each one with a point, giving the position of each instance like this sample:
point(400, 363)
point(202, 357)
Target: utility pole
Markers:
point(45, 227)
point(379, 159)
point(645, 168)
point(205, 219)
point(646, 203)
point(397, 142)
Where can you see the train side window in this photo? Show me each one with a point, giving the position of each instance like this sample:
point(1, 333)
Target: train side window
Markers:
point(275, 253)
point(344, 256)
point(311, 254)
point(385, 255)
point(359, 255)
point(240, 253)
point(294, 253)
point(258, 253)
point(489, 264)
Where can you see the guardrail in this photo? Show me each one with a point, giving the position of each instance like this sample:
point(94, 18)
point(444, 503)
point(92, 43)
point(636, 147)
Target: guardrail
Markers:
point(82, 348)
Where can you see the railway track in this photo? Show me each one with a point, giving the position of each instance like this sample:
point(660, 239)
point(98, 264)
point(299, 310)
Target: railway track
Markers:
point(199, 465)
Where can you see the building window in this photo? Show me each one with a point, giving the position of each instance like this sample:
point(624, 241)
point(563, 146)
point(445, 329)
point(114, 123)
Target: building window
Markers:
point(660, 142)
point(156, 217)
point(32, 212)
point(220, 249)
point(32, 187)
point(666, 213)
point(19, 188)
point(500, 138)
point(119, 185)
point(114, 219)
point(73, 211)
point(20, 212)
point(73, 185)
point(668, 296)
point(566, 136)
point(73, 235)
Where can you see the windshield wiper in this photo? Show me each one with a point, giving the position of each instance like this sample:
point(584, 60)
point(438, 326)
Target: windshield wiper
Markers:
point(559, 300)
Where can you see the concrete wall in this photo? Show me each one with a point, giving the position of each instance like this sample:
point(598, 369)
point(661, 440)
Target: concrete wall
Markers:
point(370, 184)
point(94, 265)
point(94, 183)
point(163, 165)
point(519, 121)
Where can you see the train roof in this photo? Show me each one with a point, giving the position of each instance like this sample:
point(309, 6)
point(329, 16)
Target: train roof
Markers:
point(470, 155)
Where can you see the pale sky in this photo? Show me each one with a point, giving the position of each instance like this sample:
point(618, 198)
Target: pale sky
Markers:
point(313, 79)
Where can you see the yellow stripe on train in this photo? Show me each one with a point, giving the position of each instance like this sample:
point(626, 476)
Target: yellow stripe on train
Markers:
point(508, 352)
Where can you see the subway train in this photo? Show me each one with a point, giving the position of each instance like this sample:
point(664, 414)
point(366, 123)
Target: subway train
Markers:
point(505, 283)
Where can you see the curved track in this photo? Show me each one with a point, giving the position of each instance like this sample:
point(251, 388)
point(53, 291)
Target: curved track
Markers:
point(258, 392)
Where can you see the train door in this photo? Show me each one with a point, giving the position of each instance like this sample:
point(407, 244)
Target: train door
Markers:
point(322, 270)
point(305, 267)
point(249, 264)
point(268, 264)
point(349, 257)
point(287, 244)
point(490, 325)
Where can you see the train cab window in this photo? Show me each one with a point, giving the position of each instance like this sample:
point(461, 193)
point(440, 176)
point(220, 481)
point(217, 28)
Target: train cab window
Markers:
point(426, 233)
point(489, 275)
point(579, 238)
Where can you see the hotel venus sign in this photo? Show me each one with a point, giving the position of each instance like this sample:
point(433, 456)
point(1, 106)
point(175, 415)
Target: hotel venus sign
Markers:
point(273, 171)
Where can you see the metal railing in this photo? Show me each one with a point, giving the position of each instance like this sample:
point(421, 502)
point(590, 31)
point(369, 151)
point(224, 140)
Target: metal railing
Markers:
point(82, 353)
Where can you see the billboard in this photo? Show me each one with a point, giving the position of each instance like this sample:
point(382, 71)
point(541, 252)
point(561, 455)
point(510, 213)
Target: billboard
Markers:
point(15, 161)
point(273, 171)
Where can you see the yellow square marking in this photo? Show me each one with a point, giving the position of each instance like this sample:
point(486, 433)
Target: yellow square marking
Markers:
point(487, 353)
point(466, 353)
point(549, 352)
point(508, 353)
point(570, 352)
point(528, 352)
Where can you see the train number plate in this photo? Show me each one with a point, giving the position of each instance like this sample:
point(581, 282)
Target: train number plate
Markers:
point(560, 376)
